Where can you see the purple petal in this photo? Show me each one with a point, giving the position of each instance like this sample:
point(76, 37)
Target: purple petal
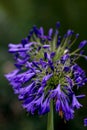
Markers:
point(50, 32)
point(42, 31)
point(69, 32)
point(82, 44)
point(57, 24)
point(46, 78)
point(75, 103)
point(80, 96)
point(46, 46)
point(85, 122)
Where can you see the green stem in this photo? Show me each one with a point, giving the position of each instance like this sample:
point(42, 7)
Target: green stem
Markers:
point(50, 124)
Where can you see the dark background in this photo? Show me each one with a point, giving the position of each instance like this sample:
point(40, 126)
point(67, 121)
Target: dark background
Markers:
point(16, 19)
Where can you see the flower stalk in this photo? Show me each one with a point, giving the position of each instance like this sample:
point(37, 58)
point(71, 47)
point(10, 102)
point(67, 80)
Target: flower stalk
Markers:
point(50, 122)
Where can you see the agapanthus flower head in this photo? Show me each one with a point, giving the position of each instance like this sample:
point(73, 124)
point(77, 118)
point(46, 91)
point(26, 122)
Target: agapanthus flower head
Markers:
point(46, 70)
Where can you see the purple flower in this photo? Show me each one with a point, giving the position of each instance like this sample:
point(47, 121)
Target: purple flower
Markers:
point(58, 24)
point(75, 102)
point(85, 122)
point(46, 46)
point(77, 35)
point(69, 32)
point(46, 70)
point(64, 58)
point(62, 104)
point(56, 92)
point(46, 78)
point(82, 44)
point(45, 107)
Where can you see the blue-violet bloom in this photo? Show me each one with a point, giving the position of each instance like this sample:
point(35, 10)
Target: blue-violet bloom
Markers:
point(46, 70)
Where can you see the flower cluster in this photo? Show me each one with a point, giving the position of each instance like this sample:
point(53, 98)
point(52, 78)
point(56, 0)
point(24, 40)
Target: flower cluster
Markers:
point(46, 70)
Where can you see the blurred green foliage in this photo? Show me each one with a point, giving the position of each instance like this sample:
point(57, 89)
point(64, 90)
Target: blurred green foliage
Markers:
point(16, 18)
